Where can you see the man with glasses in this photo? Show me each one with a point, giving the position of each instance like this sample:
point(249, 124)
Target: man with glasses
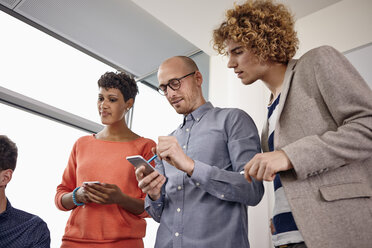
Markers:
point(198, 194)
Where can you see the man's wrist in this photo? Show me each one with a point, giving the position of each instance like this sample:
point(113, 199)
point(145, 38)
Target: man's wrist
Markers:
point(154, 197)
point(191, 168)
point(288, 162)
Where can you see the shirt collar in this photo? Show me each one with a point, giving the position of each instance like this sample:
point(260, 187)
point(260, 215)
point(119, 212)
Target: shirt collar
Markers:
point(7, 210)
point(198, 113)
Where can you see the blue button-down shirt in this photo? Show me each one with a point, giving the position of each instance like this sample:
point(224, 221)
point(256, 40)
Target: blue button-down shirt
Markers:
point(19, 229)
point(209, 209)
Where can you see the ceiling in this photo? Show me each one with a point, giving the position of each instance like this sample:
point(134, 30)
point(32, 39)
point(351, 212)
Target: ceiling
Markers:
point(195, 20)
point(136, 36)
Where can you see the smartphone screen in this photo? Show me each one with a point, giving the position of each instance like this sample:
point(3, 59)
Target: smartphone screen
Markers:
point(95, 182)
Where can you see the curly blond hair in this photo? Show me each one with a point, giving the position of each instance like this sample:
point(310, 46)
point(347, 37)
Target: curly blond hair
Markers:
point(264, 27)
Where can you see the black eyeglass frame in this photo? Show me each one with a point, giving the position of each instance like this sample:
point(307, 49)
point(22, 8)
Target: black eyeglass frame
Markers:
point(172, 81)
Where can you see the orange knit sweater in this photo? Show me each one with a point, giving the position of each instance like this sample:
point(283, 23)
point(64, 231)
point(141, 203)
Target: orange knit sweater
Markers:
point(95, 225)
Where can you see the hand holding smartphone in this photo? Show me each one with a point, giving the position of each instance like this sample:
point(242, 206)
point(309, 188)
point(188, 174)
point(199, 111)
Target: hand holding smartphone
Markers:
point(138, 161)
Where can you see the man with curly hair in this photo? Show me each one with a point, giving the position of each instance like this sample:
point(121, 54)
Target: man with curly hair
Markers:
point(17, 228)
point(321, 110)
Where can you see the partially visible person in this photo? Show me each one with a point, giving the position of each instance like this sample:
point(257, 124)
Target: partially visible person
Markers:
point(18, 229)
point(109, 213)
point(320, 108)
point(197, 193)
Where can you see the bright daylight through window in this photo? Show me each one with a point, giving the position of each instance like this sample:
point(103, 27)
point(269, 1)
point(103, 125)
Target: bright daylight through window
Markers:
point(39, 66)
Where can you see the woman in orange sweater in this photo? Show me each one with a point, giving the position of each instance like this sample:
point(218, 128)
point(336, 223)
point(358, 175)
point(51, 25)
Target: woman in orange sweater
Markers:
point(109, 213)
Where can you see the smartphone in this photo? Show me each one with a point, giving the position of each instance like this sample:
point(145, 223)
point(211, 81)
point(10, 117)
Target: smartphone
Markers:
point(138, 160)
point(96, 182)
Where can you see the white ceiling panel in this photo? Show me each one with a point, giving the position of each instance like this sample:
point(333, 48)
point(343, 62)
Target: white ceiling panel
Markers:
point(116, 30)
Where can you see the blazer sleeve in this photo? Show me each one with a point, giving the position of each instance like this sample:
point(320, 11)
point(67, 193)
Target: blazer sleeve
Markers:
point(349, 101)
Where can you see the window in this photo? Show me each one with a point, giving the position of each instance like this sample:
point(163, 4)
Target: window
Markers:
point(153, 116)
point(41, 67)
point(52, 72)
point(43, 150)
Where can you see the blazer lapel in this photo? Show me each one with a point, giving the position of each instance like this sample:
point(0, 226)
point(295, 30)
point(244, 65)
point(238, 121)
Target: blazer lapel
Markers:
point(283, 95)
point(264, 137)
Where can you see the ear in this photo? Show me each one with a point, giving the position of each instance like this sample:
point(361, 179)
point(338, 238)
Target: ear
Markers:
point(199, 78)
point(5, 177)
point(129, 103)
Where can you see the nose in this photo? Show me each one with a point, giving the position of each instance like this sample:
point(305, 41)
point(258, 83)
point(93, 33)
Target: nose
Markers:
point(170, 92)
point(103, 104)
point(231, 63)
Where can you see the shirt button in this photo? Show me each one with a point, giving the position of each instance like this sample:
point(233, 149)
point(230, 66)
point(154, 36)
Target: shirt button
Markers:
point(187, 129)
point(159, 205)
point(222, 196)
point(178, 210)
point(197, 119)
point(176, 234)
point(179, 187)
point(197, 184)
point(184, 147)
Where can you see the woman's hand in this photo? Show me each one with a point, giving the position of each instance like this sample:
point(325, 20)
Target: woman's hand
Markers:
point(103, 193)
point(81, 195)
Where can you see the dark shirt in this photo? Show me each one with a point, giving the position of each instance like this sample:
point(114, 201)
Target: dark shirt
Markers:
point(209, 209)
point(19, 229)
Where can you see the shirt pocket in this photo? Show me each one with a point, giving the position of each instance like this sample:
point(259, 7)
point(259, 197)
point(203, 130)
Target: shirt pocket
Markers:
point(209, 147)
point(345, 191)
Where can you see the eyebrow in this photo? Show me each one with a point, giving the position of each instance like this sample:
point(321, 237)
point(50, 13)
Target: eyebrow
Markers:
point(110, 95)
point(167, 81)
point(234, 49)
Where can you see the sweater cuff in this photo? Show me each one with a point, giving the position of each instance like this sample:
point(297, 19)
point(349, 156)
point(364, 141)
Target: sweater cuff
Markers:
point(58, 202)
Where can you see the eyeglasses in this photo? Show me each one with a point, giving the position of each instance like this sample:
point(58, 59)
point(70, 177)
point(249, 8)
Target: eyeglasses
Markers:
point(174, 84)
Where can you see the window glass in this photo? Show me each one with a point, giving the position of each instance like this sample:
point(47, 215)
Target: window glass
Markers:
point(44, 147)
point(41, 67)
point(153, 116)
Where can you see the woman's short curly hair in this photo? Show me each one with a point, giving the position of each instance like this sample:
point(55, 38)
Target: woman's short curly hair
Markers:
point(121, 81)
point(264, 27)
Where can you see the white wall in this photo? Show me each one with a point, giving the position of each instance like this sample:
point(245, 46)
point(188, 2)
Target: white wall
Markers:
point(344, 25)
point(361, 58)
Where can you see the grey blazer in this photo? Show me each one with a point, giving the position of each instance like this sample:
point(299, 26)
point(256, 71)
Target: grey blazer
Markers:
point(324, 125)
